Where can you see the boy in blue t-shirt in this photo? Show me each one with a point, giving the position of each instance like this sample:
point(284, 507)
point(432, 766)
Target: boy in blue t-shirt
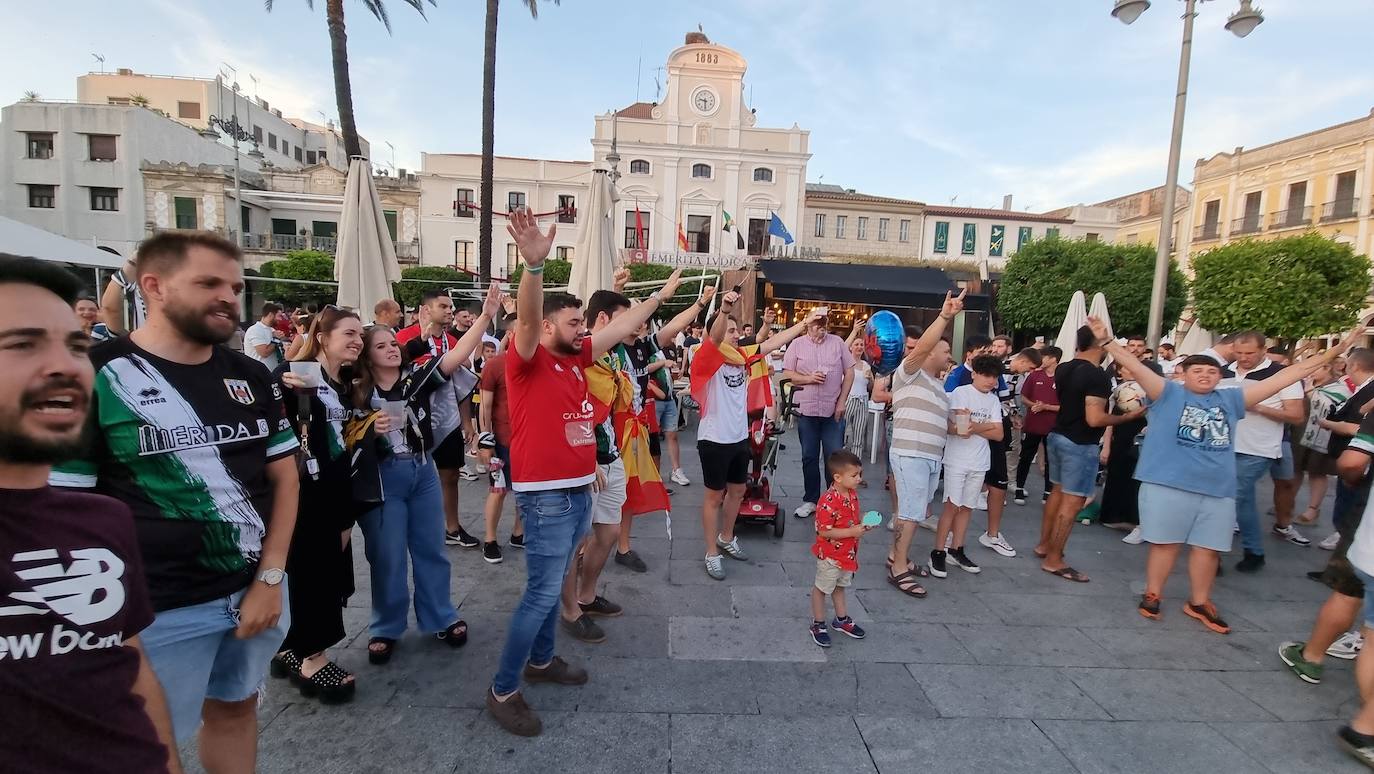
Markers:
point(1187, 467)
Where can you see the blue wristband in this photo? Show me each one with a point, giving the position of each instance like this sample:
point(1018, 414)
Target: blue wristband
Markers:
point(534, 269)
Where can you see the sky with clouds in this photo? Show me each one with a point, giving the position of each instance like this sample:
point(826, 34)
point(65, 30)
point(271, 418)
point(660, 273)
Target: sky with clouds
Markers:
point(1053, 101)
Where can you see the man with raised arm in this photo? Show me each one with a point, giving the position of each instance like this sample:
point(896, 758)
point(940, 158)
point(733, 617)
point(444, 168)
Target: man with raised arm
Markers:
point(553, 462)
point(1187, 467)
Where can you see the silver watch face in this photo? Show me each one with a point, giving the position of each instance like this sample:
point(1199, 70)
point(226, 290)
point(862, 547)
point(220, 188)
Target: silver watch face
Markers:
point(271, 577)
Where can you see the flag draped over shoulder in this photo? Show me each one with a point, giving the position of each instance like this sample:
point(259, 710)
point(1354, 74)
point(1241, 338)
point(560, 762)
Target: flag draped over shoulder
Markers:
point(711, 356)
point(644, 489)
point(610, 389)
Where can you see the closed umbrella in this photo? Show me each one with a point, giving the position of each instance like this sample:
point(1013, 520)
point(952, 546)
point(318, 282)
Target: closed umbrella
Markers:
point(365, 264)
point(1197, 339)
point(1099, 310)
point(1074, 319)
point(594, 256)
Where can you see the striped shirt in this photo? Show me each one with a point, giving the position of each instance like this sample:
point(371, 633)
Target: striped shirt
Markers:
point(920, 415)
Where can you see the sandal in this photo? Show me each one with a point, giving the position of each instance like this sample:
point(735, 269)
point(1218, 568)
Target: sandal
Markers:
point(328, 685)
point(907, 584)
point(1068, 573)
point(286, 664)
point(380, 655)
point(455, 635)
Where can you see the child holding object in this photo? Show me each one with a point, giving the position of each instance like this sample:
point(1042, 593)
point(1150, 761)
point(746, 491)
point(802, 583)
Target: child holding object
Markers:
point(975, 418)
point(838, 528)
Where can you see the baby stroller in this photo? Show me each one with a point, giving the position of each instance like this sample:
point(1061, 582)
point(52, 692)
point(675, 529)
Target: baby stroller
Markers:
point(758, 505)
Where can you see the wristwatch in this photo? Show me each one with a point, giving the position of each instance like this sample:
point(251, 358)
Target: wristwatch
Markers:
point(273, 576)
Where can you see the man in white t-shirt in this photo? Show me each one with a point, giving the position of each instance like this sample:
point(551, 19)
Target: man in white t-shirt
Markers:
point(720, 386)
point(1260, 445)
point(975, 418)
point(261, 341)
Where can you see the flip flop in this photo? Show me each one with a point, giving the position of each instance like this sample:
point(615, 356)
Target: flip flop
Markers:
point(1068, 573)
point(907, 584)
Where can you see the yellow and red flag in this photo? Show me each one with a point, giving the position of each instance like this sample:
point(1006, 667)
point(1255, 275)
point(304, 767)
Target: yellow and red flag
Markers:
point(710, 357)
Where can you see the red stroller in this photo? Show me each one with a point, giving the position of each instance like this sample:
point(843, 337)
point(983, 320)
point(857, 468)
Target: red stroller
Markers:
point(758, 506)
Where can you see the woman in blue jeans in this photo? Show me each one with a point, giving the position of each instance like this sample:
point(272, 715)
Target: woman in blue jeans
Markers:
point(410, 521)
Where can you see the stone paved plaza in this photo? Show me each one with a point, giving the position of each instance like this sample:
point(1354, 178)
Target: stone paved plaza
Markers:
point(1009, 670)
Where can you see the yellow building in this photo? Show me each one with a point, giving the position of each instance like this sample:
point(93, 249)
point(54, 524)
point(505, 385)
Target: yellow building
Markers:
point(1319, 180)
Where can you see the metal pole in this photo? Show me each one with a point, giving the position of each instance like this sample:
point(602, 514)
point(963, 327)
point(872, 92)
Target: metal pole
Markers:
point(238, 190)
point(1166, 223)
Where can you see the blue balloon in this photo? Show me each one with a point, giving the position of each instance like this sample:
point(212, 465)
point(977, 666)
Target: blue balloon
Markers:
point(884, 342)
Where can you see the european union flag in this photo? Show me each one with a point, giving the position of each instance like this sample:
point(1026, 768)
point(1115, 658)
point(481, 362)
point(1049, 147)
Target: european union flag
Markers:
point(776, 228)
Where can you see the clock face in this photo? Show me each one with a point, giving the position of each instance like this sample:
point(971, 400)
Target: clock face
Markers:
point(704, 101)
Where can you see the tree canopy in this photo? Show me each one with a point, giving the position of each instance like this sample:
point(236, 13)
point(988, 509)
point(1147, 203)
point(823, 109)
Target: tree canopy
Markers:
point(1304, 285)
point(313, 265)
point(1040, 279)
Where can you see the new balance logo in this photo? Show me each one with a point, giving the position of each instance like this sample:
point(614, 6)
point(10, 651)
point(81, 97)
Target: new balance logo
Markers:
point(86, 592)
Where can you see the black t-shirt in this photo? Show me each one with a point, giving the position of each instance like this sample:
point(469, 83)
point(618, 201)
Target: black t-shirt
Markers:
point(186, 447)
point(72, 592)
point(1078, 380)
point(414, 387)
point(1349, 412)
point(641, 354)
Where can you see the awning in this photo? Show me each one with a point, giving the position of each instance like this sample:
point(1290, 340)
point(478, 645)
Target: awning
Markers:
point(910, 287)
point(22, 239)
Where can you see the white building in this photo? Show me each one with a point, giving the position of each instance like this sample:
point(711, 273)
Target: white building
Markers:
point(75, 170)
point(687, 161)
point(984, 236)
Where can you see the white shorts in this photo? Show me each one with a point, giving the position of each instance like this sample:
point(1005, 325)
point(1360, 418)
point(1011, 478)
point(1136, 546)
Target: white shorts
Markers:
point(607, 503)
point(962, 486)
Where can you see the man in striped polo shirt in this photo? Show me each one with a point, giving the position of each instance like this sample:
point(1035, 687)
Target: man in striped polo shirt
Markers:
point(920, 410)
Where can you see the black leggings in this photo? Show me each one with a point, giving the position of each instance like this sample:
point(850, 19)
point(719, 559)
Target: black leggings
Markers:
point(1030, 443)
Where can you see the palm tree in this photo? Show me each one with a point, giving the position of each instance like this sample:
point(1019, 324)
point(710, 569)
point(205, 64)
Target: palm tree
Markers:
point(32, 96)
point(338, 47)
point(139, 100)
point(489, 133)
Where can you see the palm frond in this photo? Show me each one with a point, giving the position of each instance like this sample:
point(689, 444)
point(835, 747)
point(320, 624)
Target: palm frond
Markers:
point(533, 5)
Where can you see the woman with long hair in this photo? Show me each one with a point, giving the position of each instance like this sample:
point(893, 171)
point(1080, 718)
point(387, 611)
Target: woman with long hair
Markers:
point(410, 520)
point(320, 562)
point(856, 414)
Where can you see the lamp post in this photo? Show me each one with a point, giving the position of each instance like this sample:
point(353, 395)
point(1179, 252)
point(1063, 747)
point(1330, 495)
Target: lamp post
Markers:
point(1241, 23)
point(231, 127)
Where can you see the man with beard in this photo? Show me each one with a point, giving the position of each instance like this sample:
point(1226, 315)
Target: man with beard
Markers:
point(553, 462)
point(193, 438)
point(69, 563)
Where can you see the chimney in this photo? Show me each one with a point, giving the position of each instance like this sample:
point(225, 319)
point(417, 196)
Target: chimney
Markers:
point(1006, 202)
point(124, 71)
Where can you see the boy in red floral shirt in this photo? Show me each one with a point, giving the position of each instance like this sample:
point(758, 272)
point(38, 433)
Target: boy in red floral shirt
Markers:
point(836, 548)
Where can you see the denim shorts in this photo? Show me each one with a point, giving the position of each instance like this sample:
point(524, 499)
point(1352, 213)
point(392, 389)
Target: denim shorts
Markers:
point(1073, 466)
point(196, 656)
point(667, 414)
point(1169, 515)
point(1283, 467)
point(1367, 612)
point(916, 479)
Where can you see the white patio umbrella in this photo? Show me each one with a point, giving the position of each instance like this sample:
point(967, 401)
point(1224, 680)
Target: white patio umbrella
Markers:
point(1074, 318)
point(22, 239)
point(1197, 339)
point(594, 255)
point(365, 264)
point(1098, 309)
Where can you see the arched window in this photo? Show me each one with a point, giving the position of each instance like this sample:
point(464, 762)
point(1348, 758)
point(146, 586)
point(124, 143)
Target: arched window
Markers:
point(763, 175)
point(639, 167)
point(701, 170)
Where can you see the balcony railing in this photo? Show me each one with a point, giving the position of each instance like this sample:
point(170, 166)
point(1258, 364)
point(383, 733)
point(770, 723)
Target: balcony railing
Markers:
point(1341, 209)
point(1250, 224)
point(407, 253)
point(1293, 217)
point(1207, 231)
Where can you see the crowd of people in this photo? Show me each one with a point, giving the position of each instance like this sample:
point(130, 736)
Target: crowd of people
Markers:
point(179, 515)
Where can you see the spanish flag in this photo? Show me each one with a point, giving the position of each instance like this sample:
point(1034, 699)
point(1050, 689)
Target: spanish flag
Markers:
point(711, 356)
point(681, 238)
point(612, 394)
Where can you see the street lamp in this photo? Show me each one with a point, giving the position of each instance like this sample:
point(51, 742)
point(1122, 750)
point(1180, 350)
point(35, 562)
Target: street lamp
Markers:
point(1241, 23)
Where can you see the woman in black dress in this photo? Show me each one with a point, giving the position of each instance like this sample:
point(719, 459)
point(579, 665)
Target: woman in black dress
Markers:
point(1121, 451)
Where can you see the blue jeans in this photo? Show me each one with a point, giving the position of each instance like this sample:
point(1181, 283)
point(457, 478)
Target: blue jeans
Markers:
point(1346, 497)
point(817, 434)
point(1249, 470)
point(555, 522)
point(409, 522)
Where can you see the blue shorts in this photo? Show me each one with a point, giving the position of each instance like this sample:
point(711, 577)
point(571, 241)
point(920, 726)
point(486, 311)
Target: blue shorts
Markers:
point(1073, 466)
point(1283, 469)
point(667, 414)
point(916, 479)
point(196, 657)
point(1169, 515)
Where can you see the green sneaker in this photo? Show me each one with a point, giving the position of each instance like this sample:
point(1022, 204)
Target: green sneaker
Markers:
point(1308, 672)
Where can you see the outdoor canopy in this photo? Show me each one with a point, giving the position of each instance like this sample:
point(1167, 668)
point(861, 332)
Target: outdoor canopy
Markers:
point(365, 265)
point(891, 287)
point(22, 239)
point(594, 254)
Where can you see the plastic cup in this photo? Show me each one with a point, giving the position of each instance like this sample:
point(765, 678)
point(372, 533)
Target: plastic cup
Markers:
point(308, 371)
point(961, 424)
point(395, 410)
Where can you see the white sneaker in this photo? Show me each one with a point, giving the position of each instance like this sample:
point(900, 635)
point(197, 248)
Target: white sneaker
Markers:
point(714, 567)
point(804, 510)
point(482, 469)
point(1329, 544)
point(732, 548)
point(998, 544)
point(680, 478)
point(1292, 535)
point(1347, 646)
point(466, 475)
point(1133, 537)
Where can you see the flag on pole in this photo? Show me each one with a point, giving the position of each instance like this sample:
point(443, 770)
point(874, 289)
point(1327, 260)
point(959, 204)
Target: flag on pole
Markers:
point(739, 239)
point(729, 222)
point(641, 238)
point(681, 238)
point(776, 228)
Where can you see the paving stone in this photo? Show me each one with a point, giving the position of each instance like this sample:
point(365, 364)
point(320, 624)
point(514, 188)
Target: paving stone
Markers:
point(756, 639)
point(1151, 694)
point(838, 689)
point(1154, 746)
point(785, 602)
point(941, 606)
point(364, 739)
point(903, 642)
point(1167, 649)
point(999, 644)
point(1003, 692)
point(755, 572)
point(668, 685)
point(902, 745)
point(1292, 748)
point(640, 596)
point(605, 743)
point(1288, 698)
point(766, 744)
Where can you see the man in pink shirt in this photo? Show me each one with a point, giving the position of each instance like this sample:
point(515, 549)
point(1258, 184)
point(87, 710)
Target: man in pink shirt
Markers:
point(820, 366)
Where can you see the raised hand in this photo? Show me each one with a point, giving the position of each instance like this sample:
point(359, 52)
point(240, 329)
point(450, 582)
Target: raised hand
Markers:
point(619, 279)
point(1099, 330)
point(670, 287)
point(729, 299)
point(1354, 335)
point(817, 314)
point(534, 245)
point(707, 293)
point(494, 301)
point(953, 304)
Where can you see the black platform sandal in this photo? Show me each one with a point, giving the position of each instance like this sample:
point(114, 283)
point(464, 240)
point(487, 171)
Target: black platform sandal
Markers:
point(380, 655)
point(286, 664)
point(328, 685)
point(456, 636)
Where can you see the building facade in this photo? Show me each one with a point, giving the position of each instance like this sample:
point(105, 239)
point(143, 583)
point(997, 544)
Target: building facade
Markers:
point(984, 237)
point(1139, 217)
point(841, 222)
point(1320, 180)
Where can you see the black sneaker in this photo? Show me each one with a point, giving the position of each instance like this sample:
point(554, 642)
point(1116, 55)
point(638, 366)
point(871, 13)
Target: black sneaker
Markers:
point(1359, 745)
point(937, 564)
point(1251, 563)
point(451, 538)
point(962, 561)
point(584, 628)
point(517, 541)
point(631, 560)
point(601, 607)
point(462, 539)
point(491, 552)
point(1019, 497)
point(819, 634)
